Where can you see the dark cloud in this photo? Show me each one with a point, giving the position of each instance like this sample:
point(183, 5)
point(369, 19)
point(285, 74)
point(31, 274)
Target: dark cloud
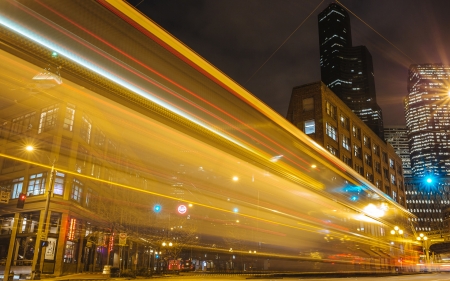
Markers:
point(237, 36)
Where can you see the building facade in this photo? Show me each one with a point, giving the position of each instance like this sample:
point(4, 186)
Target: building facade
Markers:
point(397, 136)
point(347, 69)
point(427, 112)
point(428, 123)
point(323, 116)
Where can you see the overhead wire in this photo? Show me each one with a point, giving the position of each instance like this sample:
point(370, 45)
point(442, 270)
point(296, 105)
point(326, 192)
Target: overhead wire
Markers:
point(373, 29)
point(279, 47)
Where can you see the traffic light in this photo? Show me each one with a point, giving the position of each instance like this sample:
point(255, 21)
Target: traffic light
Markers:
point(157, 208)
point(21, 200)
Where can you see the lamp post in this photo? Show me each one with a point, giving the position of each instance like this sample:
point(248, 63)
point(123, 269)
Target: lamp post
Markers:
point(424, 239)
point(399, 233)
point(165, 245)
point(43, 236)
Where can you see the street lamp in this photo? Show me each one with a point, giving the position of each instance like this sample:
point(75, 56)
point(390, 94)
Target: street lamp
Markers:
point(43, 238)
point(424, 239)
point(399, 233)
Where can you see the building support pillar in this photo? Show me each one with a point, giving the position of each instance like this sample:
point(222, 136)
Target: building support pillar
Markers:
point(12, 243)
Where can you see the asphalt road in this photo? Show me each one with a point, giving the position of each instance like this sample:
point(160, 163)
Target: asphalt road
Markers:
point(415, 277)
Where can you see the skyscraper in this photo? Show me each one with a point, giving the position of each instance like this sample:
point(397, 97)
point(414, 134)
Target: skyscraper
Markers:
point(397, 136)
point(427, 113)
point(428, 122)
point(348, 70)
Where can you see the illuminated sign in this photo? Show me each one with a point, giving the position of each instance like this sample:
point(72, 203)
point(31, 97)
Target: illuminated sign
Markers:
point(182, 209)
point(72, 227)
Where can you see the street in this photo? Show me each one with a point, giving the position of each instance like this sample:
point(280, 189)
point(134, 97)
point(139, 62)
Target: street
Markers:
point(219, 277)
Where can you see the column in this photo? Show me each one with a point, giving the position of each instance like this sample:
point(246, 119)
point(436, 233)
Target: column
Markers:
point(38, 241)
point(12, 242)
point(61, 244)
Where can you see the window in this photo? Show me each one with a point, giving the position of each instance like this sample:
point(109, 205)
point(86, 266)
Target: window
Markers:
point(69, 117)
point(331, 110)
point(345, 122)
point(49, 116)
point(368, 159)
point(96, 168)
point(86, 127)
point(384, 157)
point(357, 151)
point(99, 138)
point(359, 169)
point(391, 163)
point(369, 176)
point(331, 131)
point(77, 190)
point(82, 159)
point(393, 181)
point(386, 174)
point(308, 104)
point(310, 127)
point(58, 187)
point(23, 123)
point(347, 160)
point(376, 149)
point(356, 132)
point(378, 184)
point(331, 149)
point(394, 195)
point(366, 141)
point(346, 142)
point(378, 167)
point(14, 186)
point(88, 197)
point(36, 184)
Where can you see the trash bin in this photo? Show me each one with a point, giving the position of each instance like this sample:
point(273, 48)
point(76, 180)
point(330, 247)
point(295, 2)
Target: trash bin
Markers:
point(114, 272)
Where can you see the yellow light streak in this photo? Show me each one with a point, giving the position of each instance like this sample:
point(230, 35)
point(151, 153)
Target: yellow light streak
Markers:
point(311, 228)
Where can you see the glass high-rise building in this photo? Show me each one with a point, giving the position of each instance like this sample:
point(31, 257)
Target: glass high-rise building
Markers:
point(427, 112)
point(348, 70)
point(397, 136)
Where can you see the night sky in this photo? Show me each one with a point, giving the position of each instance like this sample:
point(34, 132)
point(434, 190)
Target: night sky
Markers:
point(238, 36)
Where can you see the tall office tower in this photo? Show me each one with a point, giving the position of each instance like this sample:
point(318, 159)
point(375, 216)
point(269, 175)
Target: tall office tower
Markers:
point(427, 113)
point(347, 70)
point(397, 136)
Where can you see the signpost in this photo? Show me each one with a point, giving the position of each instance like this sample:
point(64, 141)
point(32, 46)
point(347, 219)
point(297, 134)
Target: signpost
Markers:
point(4, 197)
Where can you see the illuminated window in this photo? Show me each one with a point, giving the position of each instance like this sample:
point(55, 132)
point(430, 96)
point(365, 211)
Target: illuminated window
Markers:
point(393, 181)
point(332, 149)
point(14, 186)
point(345, 122)
point(77, 190)
point(346, 142)
point(391, 163)
point(23, 123)
point(310, 127)
point(86, 127)
point(99, 138)
point(331, 110)
point(58, 187)
point(376, 149)
point(69, 117)
point(331, 131)
point(356, 132)
point(368, 159)
point(366, 141)
point(36, 184)
point(357, 151)
point(49, 117)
